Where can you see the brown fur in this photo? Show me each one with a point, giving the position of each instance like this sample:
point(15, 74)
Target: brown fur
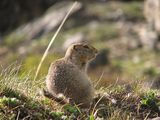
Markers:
point(68, 76)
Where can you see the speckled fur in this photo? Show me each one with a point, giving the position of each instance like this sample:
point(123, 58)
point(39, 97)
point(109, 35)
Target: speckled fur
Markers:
point(68, 75)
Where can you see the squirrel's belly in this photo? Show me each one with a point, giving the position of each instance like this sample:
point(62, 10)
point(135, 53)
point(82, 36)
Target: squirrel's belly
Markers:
point(72, 84)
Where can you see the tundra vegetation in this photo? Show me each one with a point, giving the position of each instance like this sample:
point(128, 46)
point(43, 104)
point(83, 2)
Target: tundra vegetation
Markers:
point(114, 26)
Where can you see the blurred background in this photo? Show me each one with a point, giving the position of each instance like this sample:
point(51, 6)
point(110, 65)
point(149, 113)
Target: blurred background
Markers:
point(126, 33)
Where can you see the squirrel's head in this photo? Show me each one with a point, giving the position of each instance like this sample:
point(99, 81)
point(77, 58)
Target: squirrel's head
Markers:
point(81, 51)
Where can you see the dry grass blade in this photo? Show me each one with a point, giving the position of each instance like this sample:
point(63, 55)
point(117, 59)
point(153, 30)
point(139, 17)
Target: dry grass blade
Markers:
point(53, 39)
point(100, 78)
point(97, 104)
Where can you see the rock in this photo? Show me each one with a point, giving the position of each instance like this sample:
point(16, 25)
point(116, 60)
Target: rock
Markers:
point(76, 38)
point(48, 22)
point(150, 35)
point(156, 118)
point(116, 15)
point(157, 46)
point(3, 51)
point(131, 42)
point(148, 38)
point(101, 59)
point(15, 13)
point(152, 14)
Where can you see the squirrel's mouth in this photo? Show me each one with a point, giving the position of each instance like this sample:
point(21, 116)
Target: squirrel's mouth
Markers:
point(92, 57)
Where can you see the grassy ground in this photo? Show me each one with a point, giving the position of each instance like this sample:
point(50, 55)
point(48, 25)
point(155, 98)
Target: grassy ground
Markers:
point(20, 98)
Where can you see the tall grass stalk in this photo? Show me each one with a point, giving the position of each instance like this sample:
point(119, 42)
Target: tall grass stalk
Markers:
point(100, 78)
point(53, 39)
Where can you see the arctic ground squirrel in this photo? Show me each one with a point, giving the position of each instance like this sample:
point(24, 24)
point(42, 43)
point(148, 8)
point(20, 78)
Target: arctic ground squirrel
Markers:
point(68, 76)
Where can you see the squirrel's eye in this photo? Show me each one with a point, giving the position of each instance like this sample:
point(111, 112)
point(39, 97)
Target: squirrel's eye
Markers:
point(75, 47)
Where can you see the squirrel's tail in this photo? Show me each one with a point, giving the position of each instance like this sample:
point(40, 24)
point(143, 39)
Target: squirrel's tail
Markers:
point(60, 100)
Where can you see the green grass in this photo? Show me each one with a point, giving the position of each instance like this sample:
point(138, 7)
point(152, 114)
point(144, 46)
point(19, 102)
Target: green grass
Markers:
point(139, 64)
point(20, 98)
point(31, 62)
point(13, 39)
point(103, 32)
point(130, 10)
point(133, 10)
